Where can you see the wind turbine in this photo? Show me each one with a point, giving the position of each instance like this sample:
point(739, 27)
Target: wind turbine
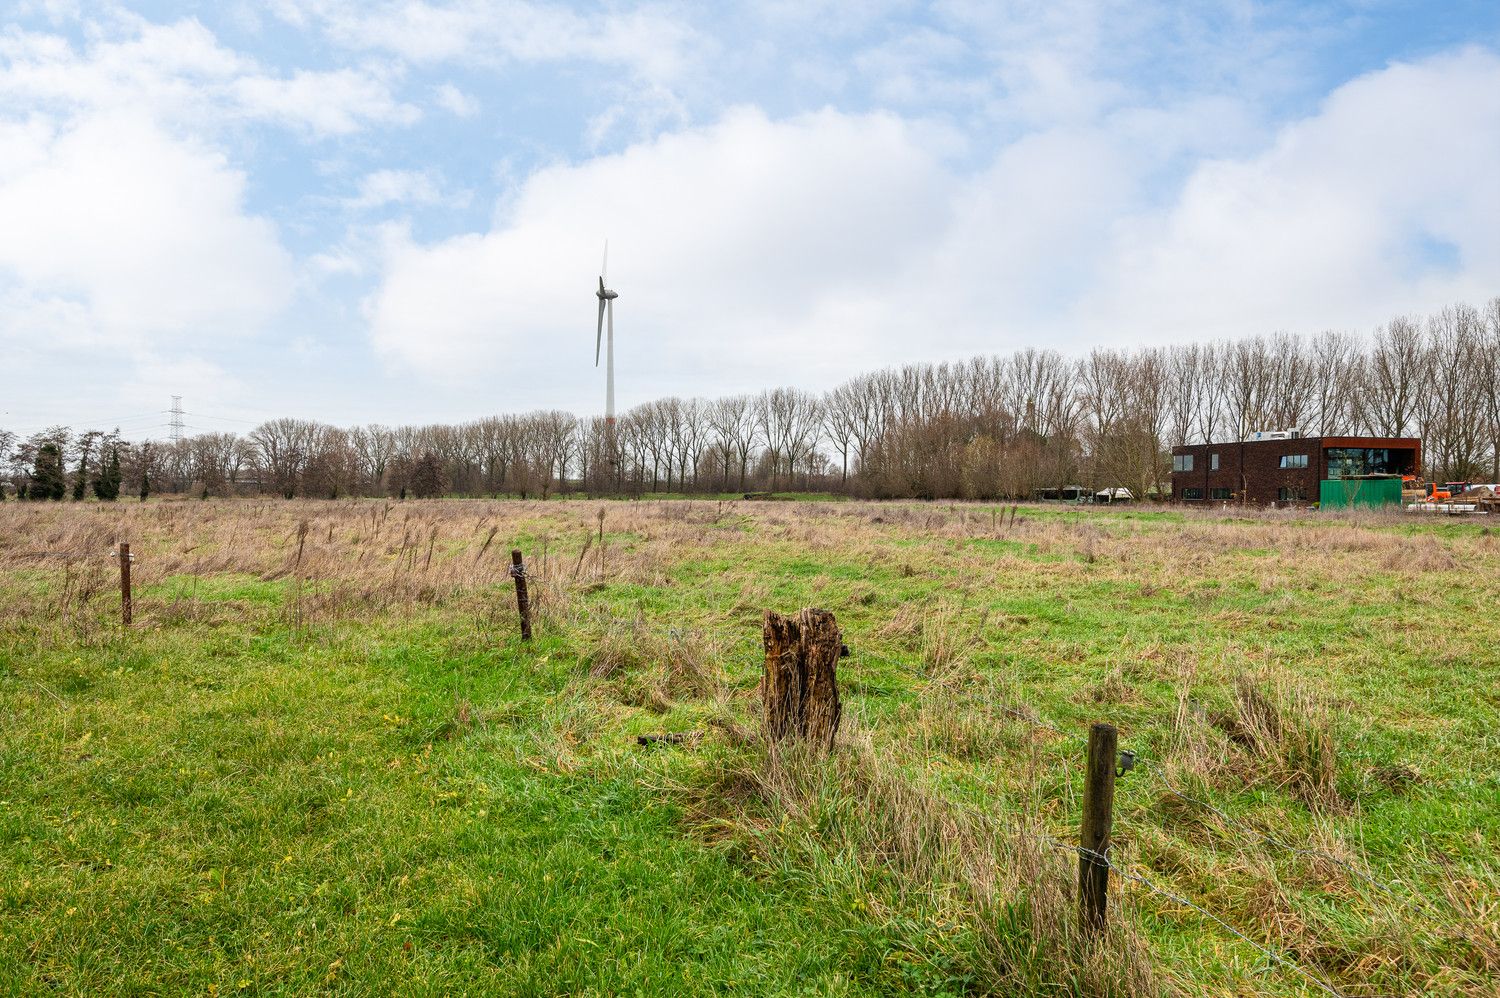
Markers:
point(606, 304)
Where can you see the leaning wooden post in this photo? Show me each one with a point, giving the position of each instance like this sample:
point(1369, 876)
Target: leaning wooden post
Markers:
point(799, 689)
point(124, 557)
point(1098, 818)
point(523, 603)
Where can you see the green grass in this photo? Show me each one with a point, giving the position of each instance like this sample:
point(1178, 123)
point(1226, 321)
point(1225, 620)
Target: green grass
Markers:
point(187, 811)
point(279, 787)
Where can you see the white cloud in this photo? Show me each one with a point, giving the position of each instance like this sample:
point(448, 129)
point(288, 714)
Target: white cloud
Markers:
point(652, 53)
point(385, 187)
point(125, 228)
point(654, 43)
point(455, 101)
point(179, 73)
point(1325, 227)
point(726, 240)
point(331, 102)
point(155, 377)
point(754, 251)
point(118, 234)
point(1105, 172)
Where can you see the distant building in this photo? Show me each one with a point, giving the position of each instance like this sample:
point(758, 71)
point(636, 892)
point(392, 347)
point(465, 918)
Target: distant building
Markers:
point(1282, 468)
point(1068, 493)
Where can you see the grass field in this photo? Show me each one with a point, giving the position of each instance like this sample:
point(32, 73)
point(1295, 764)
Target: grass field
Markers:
point(322, 760)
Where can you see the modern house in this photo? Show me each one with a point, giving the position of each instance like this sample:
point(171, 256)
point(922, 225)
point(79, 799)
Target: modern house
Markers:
point(1270, 468)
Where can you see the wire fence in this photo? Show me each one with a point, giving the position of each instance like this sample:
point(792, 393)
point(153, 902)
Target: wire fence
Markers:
point(1033, 718)
point(1130, 875)
point(1158, 770)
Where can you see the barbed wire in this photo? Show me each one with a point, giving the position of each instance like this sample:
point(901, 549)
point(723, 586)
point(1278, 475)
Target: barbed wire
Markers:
point(1037, 721)
point(1160, 773)
point(1103, 857)
point(1265, 837)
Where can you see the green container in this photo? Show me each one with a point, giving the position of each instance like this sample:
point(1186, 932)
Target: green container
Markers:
point(1347, 493)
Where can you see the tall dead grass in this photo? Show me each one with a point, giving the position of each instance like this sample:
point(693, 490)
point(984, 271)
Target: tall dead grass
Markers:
point(355, 560)
point(894, 843)
point(641, 666)
point(1288, 734)
point(345, 559)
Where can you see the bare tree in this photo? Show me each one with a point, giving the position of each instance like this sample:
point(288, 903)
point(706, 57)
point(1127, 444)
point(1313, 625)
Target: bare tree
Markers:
point(1489, 377)
point(733, 422)
point(1394, 375)
point(1336, 374)
point(986, 427)
point(692, 438)
point(374, 447)
point(284, 446)
point(215, 461)
point(1453, 406)
point(332, 466)
point(7, 460)
point(1185, 367)
point(789, 422)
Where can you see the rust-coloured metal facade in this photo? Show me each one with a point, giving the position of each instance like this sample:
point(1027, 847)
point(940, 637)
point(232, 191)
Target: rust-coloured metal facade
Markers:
point(1285, 472)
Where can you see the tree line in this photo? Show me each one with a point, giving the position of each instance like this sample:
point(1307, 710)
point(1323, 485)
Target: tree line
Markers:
point(997, 426)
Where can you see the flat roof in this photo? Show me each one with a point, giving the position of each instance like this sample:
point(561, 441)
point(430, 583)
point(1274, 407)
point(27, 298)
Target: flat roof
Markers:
point(1390, 443)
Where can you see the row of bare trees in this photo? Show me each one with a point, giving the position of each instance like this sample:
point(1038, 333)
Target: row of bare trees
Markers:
point(992, 426)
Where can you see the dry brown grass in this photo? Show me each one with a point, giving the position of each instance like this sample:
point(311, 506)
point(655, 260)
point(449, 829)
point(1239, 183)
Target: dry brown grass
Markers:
point(440, 547)
point(897, 843)
point(1289, 732)
point(643, 666)
point(942, 605)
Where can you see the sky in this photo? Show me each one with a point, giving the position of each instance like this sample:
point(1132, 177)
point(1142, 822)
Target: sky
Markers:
point(395, 210)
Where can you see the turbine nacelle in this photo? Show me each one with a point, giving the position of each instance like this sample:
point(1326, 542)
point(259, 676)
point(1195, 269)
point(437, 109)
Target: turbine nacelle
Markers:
point(606, 304)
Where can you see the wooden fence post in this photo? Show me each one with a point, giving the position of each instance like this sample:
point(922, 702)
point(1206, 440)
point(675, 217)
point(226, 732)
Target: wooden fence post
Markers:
point(1098, 820)
point(523, 602)
point(799, 688)
point(124, 558)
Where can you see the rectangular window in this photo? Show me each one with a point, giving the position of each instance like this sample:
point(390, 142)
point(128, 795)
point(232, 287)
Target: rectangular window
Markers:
point(1213, 462)
point(1192, 493)
point(1290, 495)
point(1350, 462)
point(1294, 460)
point(1221, 493)
point(1182, 462)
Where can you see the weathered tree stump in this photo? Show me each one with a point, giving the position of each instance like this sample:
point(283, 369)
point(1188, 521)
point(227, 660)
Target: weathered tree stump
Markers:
point(800, 686)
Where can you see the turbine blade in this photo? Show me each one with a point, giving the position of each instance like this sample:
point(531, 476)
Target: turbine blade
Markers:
point(599, 337)
point(604, 267)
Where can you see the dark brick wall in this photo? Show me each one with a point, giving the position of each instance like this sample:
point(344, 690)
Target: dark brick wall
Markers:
point(1263, 477)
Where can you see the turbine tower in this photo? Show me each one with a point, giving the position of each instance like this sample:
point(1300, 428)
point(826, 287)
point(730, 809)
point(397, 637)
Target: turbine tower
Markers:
point(606, 304)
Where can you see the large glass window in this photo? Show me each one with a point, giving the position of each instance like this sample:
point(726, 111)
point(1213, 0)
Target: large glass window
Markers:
point(1182, 462)
point(1294, 460)
point(1192, 493)
point(1221, 493)
point(1351, 462)
point(1292, 494)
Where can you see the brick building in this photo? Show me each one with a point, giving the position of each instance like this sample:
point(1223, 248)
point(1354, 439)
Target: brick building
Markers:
point(1284, 469)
